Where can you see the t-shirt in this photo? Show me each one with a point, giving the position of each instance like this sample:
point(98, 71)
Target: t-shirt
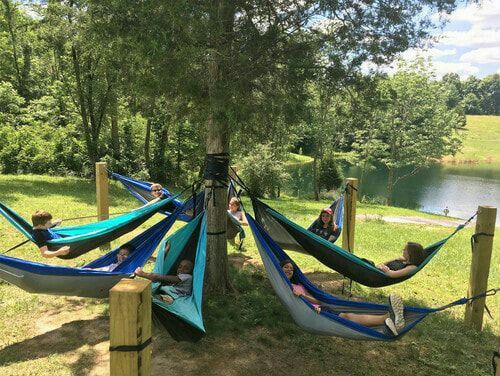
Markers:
point(185, 286)
point(238, 215)
point(325, 233)
point(108, 268)
point(396, 265)
point(298, 287)
point(41, 237)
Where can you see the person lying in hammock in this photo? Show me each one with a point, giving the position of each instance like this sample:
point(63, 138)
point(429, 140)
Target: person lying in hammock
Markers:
point(42, 223)
point(234, 210)
point(123, 253)
point(393, 320)
point(172, 286)
point(157, 192)
point(413, 256)
point(324, 226)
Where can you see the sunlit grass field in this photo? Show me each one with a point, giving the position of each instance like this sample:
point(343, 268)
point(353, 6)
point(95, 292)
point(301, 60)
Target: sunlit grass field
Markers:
point(248, 331)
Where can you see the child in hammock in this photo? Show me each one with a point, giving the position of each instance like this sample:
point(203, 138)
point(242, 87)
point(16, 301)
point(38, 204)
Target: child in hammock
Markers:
point(393, 320)
point(123, 253)
point(413, 256)
point(42, 223)
point(157, 192)
point(324, 226)
point(172, 286)
point(234, 210)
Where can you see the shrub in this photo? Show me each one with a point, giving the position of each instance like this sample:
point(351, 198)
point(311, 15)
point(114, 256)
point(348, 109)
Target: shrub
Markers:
point(330, 174)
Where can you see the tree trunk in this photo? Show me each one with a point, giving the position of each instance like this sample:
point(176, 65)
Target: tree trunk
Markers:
point(390, 186)
point(315, 178)
point(222, 20)
point(147, 143)
point(115, 136)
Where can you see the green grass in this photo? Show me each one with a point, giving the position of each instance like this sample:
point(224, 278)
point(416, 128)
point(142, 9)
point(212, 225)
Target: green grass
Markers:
point(298, 159)
point(248, 332)
point(481, 141)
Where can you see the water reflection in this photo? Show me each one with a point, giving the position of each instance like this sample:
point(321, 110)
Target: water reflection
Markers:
point(460, 188)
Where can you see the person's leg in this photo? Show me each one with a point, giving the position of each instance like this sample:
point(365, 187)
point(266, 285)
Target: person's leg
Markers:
point(364, 319)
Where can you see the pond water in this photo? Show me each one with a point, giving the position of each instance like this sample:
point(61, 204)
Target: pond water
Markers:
point(460, 188)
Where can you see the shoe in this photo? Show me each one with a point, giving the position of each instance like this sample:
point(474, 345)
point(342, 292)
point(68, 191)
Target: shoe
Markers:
point(396, 311)
point(167, 299)
point(390, 328)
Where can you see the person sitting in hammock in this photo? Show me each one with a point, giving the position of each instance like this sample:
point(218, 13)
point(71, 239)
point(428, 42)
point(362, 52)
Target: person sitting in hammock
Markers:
point(123, 253)
point(393, 320)
point(42, 223)
point(172, 286)
point(324, 226)
point(413, 256)
point(157, 192)
point(234, 210)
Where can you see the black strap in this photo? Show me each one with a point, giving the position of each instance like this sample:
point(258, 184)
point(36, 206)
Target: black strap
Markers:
point(16, 246)
point(473, 238)
point(216, 233)
point(131, 348)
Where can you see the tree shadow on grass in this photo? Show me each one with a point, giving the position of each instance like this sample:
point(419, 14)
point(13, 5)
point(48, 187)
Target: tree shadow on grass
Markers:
point(67, 338)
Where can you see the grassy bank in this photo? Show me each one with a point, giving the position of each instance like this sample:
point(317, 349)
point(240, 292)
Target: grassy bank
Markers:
point(249, 332)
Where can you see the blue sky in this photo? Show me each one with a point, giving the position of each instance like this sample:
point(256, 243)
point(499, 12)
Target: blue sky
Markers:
point(469, 44)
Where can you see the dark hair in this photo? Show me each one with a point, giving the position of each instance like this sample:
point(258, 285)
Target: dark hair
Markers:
point(416, 253)
point(40, 217)
point(288, 261)
point(319, 222)
point(128, 246)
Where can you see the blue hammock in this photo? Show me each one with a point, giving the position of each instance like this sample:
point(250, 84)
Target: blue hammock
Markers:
point(141, 190)
point(183, 318)
point(84, 238)
point(41, 278)
point(328, 322)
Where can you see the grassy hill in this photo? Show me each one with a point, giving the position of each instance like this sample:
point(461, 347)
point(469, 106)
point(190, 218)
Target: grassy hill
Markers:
point(248, 332)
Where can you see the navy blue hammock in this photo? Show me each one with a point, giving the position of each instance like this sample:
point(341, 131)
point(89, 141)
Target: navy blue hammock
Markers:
point(83, 238)
point(142, 191)
point(290, 235)
point(35, 277)
point(328, 322)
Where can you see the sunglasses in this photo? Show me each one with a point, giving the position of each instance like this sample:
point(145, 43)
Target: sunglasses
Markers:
point(156, 190)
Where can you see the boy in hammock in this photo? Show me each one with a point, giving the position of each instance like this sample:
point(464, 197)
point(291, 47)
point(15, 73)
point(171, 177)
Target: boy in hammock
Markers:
point(42, 223)
point(173, 286)
point(123, 253)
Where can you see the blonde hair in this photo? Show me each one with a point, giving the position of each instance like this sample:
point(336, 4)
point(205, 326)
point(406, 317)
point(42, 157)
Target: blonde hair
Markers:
point(40, 217)
point(155, 186)
point(235, 200)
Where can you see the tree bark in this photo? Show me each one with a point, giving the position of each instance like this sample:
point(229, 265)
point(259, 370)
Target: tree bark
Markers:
point(115, 135)
point(315, 178)
point(147, 143)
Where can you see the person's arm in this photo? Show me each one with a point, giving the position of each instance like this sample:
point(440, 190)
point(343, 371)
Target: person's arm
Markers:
point(243, 219)
point(63, 251)
point(167, 279)
point(55, 223)
point(400, 273)
point(153, 201)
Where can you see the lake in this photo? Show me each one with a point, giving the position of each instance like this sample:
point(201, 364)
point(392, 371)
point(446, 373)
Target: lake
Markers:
point(460, 188)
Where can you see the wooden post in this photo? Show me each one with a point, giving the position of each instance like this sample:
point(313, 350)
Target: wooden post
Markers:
point(101, 185)
point(480, 265)
point(349, 214)
point(130, 325)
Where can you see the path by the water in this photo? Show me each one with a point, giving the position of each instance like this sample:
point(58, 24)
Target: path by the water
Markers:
point(416, 220)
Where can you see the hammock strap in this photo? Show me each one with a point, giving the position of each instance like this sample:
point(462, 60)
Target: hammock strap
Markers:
point(16, 246)
point(348, 192)
point(461, 301)
point(131, 348)
point(474, 238)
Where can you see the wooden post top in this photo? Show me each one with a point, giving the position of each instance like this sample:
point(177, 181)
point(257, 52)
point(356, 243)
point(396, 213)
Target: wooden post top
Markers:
point(127, 285)
point(101, 163)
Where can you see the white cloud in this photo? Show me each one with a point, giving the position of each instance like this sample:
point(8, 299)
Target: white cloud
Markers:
point(413, 53)
point(489, 55)
point(472, 38)
point(462, 69)
point(484, 15)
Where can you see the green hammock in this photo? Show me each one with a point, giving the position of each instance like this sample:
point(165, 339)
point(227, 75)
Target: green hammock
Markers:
point(292, 236)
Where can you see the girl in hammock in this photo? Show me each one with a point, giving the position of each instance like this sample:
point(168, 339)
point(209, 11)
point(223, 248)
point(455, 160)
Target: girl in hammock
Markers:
point(157, 193)
point(324, 226)
point(413, 256)
point(393, 320)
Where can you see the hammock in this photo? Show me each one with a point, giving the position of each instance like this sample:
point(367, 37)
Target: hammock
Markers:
point(183, 318)
point(84, 238)
point(141, 191)
point(41, 278)
point(328, 322)
point(290, 235)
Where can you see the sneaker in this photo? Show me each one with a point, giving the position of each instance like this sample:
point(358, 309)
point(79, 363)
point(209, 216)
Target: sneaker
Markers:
point(396, 311)
point(390, 328)
point(167, 299)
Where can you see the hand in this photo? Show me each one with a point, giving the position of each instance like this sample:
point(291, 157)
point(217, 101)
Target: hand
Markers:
point(56, 222)
point(167, 247)
point(139, 272)
point(383, 267)
point(334, 226)
point(331, 238)
point(317, 309)
point(63, 251)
